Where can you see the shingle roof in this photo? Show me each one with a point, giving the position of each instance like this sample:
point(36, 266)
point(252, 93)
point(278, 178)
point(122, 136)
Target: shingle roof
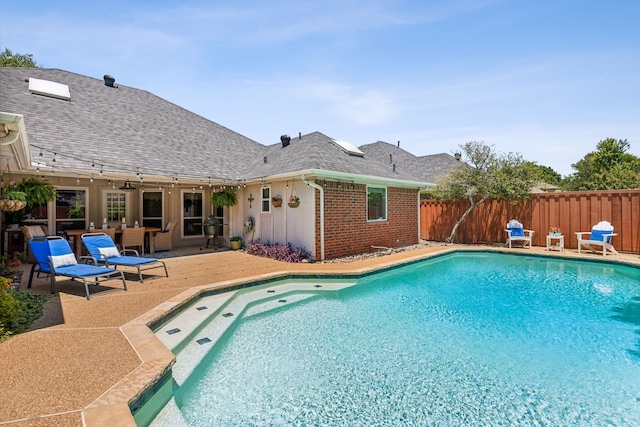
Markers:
point(422, 168)
point(128, 130)
point(123, 127)
point(315, 151)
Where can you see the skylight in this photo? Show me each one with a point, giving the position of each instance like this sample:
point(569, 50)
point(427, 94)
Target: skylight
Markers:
point(348, 148)
point(49, 88)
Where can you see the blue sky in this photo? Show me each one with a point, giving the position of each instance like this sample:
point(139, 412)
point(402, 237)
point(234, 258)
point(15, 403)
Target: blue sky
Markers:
point(546, 79)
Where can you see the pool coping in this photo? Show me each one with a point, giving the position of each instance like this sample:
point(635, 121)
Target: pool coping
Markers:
point(114, 406)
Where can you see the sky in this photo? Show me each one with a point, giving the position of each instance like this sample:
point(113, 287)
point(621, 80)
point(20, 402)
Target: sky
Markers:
point(545, 79)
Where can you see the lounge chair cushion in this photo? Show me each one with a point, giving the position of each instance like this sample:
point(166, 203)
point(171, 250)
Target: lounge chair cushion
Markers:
point(60, 260)
point(35, 230)
point(598, 235)
point(517, 231)
point(109, 252)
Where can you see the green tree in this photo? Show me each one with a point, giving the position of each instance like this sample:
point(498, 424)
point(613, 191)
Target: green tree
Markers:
point(484, 173)
point(10, 59)
point(610, 167)
point(547, 174)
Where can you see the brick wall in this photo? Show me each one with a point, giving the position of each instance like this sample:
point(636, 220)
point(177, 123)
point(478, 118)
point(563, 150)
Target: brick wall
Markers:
point(347, 231)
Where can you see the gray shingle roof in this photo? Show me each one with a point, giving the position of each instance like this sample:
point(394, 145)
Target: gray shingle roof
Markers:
point(124, 127)
point(422, 168)
point(128, 130)
point(315, 151)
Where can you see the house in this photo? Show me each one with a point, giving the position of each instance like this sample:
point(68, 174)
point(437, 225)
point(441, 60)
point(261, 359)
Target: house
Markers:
point(120, 154)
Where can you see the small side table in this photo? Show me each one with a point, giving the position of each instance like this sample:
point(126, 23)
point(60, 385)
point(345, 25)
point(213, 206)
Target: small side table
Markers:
point(555, 243)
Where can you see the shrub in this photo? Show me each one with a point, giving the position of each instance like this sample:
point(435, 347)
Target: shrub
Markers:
point(17, 309)
point(277, 251)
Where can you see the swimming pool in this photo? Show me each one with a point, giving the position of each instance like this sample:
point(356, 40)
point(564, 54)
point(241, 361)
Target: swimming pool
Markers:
point(461, 339)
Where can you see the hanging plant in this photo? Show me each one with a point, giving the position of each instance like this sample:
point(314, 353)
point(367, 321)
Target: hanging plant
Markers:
point(39, 192)
point(227, 197)
point(12, 200)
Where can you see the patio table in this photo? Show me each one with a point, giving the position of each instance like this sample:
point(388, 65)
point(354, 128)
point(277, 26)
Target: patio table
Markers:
point(77, 241)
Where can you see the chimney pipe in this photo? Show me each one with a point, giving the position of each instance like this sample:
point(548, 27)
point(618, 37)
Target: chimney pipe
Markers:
point(285, 139)
point(109, 81)
point(398, 144)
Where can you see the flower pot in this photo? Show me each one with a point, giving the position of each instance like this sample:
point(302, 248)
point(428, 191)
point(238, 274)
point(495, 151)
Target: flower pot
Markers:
point(11, 205)
point(235, 244)
point(293, 204)
point(276, 203)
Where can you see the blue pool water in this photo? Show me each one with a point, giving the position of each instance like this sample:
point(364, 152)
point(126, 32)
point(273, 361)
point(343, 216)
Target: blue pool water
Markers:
point(458, 340)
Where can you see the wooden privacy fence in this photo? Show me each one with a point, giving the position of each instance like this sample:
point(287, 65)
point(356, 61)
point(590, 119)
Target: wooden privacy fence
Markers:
point(571, 211)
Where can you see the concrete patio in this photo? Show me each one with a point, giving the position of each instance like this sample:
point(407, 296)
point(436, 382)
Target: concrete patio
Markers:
point(83, 361)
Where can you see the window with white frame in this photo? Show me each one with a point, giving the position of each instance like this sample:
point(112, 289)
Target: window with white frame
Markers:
point(71, 209)
point(266, 199)
point(376, 204)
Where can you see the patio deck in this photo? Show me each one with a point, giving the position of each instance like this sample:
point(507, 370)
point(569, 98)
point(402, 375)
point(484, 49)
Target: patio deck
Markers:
point(83, 360)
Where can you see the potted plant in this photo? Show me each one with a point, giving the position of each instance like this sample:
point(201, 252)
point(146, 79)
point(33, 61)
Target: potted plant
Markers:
point(12, 200)
point(294, 201)
point(227, 197)
point(39, 192)
point(555, 231)
point(276, 201)
point(235, 242)
point(76, 212)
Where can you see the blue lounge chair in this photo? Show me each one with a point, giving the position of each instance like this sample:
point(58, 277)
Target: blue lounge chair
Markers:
point(54, 257)
point(102, 247)
point(517, 233)
point(600, 236)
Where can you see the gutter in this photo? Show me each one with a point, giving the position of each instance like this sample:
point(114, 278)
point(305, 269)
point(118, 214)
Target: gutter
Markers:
point(321, 190)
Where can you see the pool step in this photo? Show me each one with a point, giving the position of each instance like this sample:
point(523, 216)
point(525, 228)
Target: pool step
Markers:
point(193, 333)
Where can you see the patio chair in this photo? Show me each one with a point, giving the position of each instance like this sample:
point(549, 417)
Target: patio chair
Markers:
point(55, 257)
point(599, 236)
point(133, 238)
point(29, 232)
point(517, 233)
point(162, 241)
point(101, 247)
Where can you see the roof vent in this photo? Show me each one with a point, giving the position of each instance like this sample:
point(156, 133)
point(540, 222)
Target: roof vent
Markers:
point(109, 81)
point(286, 139)
point(457, 156)
point(264, 160)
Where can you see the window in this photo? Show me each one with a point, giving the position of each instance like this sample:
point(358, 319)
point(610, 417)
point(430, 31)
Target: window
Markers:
point(152, 209)
point(115, 206)
point(376, 204)
point(192, 213)
point(71, 211)
point(266, 200)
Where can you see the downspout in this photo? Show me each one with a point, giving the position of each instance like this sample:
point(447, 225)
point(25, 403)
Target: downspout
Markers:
point(321, 190)
point(419, 218)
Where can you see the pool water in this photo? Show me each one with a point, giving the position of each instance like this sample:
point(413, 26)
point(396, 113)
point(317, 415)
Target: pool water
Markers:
point(458, 340)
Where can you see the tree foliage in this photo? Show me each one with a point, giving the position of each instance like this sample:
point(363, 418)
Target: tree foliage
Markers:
point(547, 174)
point(610, 167)
point(484, 173)
point(10, 59)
